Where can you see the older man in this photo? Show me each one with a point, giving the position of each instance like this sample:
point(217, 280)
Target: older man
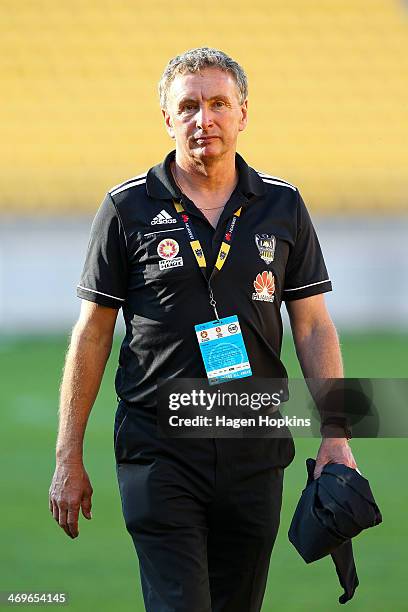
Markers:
point(198, 237)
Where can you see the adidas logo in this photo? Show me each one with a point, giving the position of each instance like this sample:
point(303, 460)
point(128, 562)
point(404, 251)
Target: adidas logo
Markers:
point(162, 217)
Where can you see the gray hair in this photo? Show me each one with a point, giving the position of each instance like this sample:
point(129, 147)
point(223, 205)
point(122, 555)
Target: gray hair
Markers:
point(197, 59)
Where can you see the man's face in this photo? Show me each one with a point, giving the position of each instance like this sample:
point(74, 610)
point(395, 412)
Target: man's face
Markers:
point(204, 114)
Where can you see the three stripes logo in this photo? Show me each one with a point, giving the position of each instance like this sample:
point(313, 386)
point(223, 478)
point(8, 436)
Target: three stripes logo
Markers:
point(162, 218)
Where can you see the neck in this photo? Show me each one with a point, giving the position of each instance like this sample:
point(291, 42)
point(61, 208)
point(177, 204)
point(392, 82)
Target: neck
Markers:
point(206, 178)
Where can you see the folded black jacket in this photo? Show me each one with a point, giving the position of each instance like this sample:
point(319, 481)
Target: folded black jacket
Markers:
point(333, 509)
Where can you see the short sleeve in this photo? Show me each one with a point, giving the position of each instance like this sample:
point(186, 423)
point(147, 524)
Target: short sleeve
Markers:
point(104, 275)
point(306, 272)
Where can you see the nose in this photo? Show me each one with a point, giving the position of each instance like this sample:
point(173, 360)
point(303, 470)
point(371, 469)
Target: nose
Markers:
point(203, 118)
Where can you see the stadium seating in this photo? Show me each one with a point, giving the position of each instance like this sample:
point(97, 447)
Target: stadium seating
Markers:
point(328, 96)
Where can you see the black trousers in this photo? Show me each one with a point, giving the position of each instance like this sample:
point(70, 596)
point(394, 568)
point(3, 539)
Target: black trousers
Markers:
point(203, 515)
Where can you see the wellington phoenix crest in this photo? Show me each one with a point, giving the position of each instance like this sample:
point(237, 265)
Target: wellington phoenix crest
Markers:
point(264, 286)
point(266, 246)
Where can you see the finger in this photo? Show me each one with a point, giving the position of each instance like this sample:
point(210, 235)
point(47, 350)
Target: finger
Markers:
point(317, 471)
point(55, 511)
point(86, 506)
point(72, 521)
point(63, 521)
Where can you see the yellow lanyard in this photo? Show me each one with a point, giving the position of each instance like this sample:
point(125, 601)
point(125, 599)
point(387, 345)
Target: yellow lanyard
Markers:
point(198, 250)
point(196, 245)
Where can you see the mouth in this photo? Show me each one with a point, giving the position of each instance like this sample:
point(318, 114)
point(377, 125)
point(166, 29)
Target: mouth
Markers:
point(205, 139)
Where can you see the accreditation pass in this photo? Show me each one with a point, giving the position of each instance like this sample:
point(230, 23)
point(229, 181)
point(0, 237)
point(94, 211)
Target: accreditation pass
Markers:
point(223, 350)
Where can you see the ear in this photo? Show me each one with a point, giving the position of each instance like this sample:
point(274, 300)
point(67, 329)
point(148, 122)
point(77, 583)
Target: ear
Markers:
point(244, 116)
point(168, 123)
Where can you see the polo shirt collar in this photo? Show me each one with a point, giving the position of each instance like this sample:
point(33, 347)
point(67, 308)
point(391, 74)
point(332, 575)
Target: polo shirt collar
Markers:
point(160, 183)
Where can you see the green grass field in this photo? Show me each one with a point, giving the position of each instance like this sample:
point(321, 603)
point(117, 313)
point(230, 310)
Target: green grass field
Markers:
point(99, 570)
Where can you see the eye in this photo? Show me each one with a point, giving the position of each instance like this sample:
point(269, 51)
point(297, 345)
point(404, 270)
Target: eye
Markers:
point(219, 103)
point(188, 107)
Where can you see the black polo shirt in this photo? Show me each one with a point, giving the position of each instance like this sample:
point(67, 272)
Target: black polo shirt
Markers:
point(139, 259)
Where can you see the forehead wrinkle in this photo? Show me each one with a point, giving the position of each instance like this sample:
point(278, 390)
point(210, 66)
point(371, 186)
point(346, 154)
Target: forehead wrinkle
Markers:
point(187, 86)
point(192, 98)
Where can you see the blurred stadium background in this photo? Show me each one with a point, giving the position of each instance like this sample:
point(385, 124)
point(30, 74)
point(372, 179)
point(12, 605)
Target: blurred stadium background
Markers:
point(328, 112)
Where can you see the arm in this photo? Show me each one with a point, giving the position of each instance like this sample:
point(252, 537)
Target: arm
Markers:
point(90, 346)
point(318, 351)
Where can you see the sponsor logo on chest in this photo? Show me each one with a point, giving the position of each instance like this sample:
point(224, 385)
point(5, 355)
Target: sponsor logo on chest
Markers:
point(264, 286)
point(168, 250)
point(162, 218)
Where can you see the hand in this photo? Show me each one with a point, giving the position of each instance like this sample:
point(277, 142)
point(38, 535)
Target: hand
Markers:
point(69, 491)
point(333, 450)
